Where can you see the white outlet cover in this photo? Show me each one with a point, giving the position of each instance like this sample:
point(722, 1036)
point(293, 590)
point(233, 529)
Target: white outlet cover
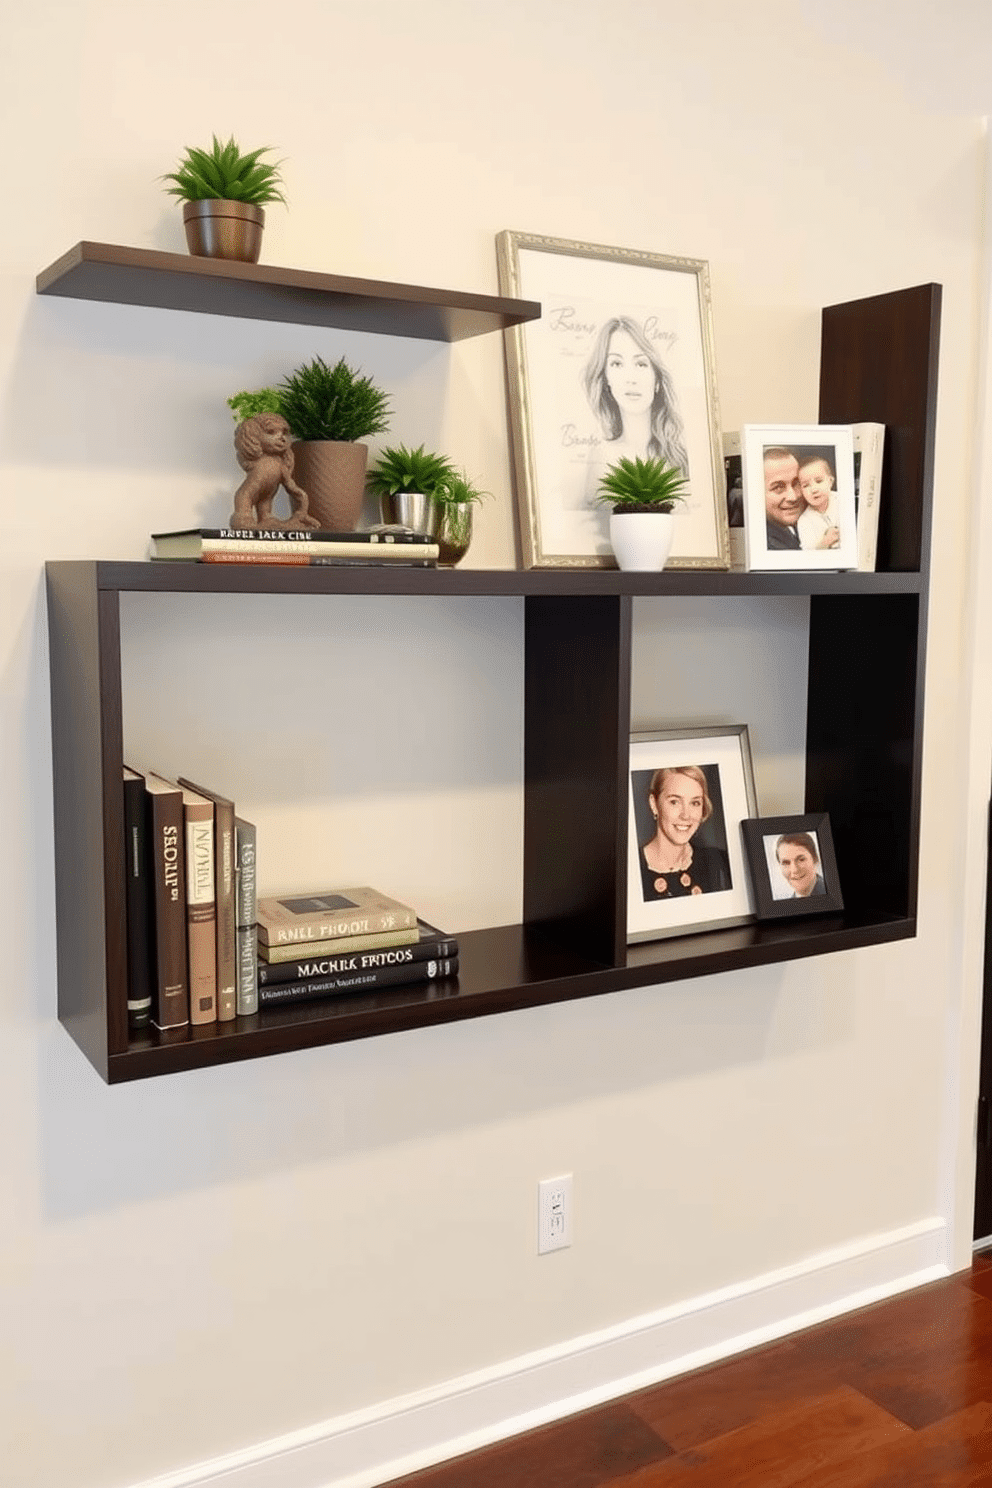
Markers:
point(554, 1213)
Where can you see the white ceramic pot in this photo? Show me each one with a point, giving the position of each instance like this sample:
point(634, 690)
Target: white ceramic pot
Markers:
point(642, 540)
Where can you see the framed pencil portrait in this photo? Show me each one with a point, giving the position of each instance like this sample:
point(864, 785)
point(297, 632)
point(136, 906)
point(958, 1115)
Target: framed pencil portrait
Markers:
point(690, 790)
point(799, 507)
point(620, 364)
point(792, 865)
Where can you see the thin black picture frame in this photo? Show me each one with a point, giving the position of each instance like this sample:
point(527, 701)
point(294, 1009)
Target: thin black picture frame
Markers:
point(773, 897)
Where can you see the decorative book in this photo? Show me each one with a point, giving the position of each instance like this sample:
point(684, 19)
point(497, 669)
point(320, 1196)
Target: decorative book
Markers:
point(329, 915)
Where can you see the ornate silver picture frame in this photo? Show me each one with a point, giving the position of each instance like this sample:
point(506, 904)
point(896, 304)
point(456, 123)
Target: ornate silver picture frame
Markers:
point(621, 363)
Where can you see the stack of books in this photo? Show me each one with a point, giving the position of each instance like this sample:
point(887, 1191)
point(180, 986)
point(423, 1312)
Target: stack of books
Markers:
point(190, 904)
point(345, 940)
point(203, 948)
point(313, 548)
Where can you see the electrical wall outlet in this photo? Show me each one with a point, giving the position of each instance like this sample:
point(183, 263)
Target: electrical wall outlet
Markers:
point(554, 1213)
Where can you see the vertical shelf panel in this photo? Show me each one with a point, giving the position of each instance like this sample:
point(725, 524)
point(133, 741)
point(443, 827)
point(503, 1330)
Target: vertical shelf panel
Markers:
point(878, 361)
point(864, 744)
point(84, 644)
point(577, 712)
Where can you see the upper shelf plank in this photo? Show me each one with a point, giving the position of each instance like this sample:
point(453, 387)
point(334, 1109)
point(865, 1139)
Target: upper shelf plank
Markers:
point(213, 286)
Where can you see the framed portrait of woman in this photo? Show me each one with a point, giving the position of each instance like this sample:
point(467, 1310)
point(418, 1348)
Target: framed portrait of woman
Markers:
point(619, 365)
point(690, 791)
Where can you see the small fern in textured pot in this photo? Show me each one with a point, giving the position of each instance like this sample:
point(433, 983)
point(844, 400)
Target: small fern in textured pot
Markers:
point(642, 486)
point(322, 402)
point(330, 410)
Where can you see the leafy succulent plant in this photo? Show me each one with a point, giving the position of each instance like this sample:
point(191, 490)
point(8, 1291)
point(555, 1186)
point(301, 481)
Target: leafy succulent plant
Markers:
point(246, 405)
point(322, 402)
point(223, 173)
point(402, 469)
point(642, 485)
point(457, 490)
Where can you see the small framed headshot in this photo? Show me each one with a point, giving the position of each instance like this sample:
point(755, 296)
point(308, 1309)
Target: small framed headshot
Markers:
point(690, 790)
point(792, 863)
point(799, 496)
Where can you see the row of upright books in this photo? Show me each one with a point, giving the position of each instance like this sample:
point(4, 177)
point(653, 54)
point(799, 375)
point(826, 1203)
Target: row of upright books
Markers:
point(311, 547)
point(203, 947)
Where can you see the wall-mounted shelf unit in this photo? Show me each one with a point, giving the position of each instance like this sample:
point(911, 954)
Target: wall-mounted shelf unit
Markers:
point(213, 286)
point(863, 749)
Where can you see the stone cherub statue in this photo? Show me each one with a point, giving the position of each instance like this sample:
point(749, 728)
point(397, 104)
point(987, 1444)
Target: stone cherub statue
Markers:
point(262, 445)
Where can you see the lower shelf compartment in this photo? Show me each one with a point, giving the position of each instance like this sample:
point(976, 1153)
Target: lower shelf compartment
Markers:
point(501, 970)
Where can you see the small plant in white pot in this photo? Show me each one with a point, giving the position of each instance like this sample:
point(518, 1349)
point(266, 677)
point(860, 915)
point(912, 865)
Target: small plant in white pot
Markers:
point(643, 495)
point(223, 194)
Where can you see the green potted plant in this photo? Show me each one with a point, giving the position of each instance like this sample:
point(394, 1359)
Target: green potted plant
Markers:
point(224, 193)
point(406, 482)
point(330, 410)
point(457, 497)
point(643, 495)
point(247, 405)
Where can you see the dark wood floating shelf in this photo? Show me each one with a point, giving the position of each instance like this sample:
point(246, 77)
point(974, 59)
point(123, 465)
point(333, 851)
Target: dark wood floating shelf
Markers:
point(211, 286)
point(863, 744)
point(500, 970)
point(180, 577)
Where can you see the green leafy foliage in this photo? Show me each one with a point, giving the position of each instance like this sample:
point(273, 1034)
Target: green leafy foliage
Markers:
point(652, 484)
point(402, 469)
point(247, 405)
point(223, 173)
point(322, 402)
point(456, 490)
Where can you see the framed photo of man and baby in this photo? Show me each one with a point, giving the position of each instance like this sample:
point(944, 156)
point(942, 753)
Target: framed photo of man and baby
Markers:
point(619, 365)
point(799, 496)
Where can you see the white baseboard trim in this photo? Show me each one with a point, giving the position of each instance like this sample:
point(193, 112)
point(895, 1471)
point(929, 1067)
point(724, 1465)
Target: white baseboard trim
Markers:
point(403, 1435)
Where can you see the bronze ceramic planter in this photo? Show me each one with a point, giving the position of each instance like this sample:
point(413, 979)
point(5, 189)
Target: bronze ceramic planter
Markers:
point(224, 229)
point(332, 472)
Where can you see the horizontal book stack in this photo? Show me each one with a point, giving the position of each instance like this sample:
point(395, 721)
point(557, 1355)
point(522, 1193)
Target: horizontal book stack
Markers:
point(345, 940)
point(309, 548)
point(202, 947)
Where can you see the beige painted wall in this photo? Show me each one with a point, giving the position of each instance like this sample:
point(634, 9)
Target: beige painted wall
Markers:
point(194, 1264)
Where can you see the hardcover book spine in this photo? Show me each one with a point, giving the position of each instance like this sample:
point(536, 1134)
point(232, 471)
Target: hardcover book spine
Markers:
point(138, 904)
point(164, 804)
point(311, 535)
point(331, 548)
point(334, 926)
point(303, 560)
point(246, 898)
point(341, 943)
point(357, 981)
point(306, 968)
point(201, 908)
point(225, 929)
point(869, 444)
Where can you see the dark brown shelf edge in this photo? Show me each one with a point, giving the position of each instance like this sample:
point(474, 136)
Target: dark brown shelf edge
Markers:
point(217, 578)
point(545, 973)
point(115, 274)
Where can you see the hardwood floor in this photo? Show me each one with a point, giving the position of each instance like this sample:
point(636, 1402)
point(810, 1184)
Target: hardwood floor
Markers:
point(898, 1395)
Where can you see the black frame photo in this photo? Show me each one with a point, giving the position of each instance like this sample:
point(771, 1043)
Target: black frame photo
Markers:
point(792, 864)
point(712, 787)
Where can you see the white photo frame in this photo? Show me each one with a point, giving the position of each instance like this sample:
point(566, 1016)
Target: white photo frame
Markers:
point(799, 505)
point(718, 892)
point(566, 428)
